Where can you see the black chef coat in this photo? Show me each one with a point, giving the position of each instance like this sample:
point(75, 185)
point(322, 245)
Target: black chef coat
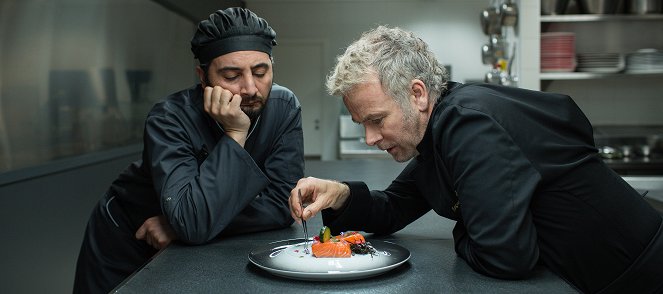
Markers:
point(519, 172)
point(203, 181)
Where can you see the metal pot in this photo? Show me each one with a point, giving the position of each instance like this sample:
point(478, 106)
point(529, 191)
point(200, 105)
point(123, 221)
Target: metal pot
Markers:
point(493, 77)
point(509, 12)
point(498, 46)
point(549, 7)
point(609, 152)
point(487, 55)
point(491, 21)
point(600, 6)
point(644, 6)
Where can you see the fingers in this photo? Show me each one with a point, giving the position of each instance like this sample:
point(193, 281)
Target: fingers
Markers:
point(161, 242)
point(217, 100)
point(295, 203)
point(156, 232)
point(312, 209)
point(234, 102)
point(140, 233)
point(313, 196)
point(207, 99)
point(224, 107)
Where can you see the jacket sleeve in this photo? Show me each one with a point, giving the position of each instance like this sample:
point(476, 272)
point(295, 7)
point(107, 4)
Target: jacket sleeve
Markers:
point(379, 212)
point(494, 182)
point(199, 201)
point(284, 166)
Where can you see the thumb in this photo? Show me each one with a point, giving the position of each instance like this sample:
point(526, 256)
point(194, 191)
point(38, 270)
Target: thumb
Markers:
point(140, 234)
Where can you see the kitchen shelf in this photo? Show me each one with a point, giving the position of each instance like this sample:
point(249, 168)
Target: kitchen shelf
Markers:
point(598, 17)
point(549, 76)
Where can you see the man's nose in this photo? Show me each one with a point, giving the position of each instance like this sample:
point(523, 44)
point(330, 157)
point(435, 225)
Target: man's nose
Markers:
point(249, 88)
point(372, 136)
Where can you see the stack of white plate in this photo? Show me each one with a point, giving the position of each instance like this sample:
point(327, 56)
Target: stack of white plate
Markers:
point(600, 62)
point(645, 61)
point(558, 52)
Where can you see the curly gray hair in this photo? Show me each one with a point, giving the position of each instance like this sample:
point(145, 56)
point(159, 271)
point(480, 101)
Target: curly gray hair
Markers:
point(396, 57)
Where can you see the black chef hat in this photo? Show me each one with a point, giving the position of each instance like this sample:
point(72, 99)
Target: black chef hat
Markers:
point(230, 30)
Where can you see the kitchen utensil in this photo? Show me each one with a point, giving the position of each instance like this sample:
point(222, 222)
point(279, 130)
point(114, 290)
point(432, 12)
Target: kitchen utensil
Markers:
point(551, 7)
point(303, 223)
point(498, 46)
point(505, 79)
point(627, 150)
point(599, 6)
point(609, 152)
point(644, 6)
point(491, 21)
point(513, 56)
point(487, 56)
point(644, 150)
point(493, 76)
point(509, 12)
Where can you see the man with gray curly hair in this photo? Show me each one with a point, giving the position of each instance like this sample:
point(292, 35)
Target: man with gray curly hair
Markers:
point(516, 169)
point(398, 56)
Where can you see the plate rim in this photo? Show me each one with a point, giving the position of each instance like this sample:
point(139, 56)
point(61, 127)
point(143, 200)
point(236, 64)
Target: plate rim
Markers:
point(335, 276)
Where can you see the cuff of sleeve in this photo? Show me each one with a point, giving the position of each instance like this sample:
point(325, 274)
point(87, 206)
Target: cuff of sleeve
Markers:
point(338, 220)
point(460, 239)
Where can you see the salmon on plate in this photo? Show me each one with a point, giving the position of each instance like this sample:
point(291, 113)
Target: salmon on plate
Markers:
point(343, 245)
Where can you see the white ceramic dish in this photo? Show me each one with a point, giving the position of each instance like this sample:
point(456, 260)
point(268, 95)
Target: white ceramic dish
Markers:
point(287, 259)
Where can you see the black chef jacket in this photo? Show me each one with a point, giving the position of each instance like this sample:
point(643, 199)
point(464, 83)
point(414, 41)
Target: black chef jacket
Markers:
point(519, 172)
point(203, 181)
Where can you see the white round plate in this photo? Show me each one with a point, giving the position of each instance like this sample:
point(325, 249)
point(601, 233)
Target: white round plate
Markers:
point(286, 258)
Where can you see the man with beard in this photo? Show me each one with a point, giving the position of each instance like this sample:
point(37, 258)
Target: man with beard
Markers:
point(516, 169)
point(219, 158)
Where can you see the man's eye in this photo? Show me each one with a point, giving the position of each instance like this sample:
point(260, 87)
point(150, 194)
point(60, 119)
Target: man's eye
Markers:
point(259, 74)
point(230, 78)
point(376, 121)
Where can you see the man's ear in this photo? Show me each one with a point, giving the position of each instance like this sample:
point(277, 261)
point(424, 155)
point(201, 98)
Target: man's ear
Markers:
point(201, 75)
point(419, 94)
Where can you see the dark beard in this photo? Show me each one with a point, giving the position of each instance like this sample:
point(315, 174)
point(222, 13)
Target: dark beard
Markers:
point(253, 114)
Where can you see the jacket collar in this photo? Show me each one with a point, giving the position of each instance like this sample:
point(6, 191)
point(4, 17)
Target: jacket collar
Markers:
point(425, 147)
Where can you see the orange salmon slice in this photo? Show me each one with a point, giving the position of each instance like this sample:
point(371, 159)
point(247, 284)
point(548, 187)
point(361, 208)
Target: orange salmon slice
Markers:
point(331, 249)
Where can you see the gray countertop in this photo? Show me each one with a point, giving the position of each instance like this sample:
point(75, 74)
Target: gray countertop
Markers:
point(223, 266)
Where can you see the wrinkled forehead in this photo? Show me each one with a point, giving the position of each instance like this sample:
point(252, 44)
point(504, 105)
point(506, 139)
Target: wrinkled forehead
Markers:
point(366, 100)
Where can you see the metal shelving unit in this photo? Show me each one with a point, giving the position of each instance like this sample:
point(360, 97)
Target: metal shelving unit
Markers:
point(546, 20)
point(550, 76)
point(598, 17)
